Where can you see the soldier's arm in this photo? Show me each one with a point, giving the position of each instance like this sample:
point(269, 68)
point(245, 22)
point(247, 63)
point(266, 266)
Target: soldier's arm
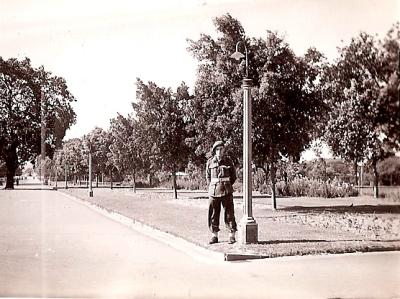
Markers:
point(233, 173)
point(208, 173)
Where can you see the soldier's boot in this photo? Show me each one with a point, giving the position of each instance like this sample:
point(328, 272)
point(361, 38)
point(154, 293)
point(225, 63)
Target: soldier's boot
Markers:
point(232, 238)
point(214, 239)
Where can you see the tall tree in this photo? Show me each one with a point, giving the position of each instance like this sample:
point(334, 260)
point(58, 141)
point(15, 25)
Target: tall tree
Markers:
point(35, 112)
point(162, 132)
point(287, 104)
point(363, 105)
point(286, 92)
point(125, 150)
point(69, 159)
point(390, 92)
point(98, 143)
point(213, 114)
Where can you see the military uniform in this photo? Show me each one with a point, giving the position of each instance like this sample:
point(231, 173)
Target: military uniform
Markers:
point(221, 174)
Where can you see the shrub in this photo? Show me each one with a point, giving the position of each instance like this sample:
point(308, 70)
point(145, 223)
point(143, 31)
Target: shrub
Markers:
point(311, 187)
point(390, 193)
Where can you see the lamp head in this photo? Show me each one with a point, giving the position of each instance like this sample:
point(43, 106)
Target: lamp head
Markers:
point(237, 55)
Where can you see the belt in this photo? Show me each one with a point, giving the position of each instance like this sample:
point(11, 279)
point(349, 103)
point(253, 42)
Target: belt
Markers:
point(218, 180)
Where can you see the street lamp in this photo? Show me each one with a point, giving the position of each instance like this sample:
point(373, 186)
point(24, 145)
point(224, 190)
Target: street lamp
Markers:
point(90, 171)
point(66, 175)
point(248, 227)
point(56, 177)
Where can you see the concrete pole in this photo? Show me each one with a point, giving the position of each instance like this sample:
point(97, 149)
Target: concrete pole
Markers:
point(42, 139)
point(248, 228)
point(56, 177)
point(66, 177)
point(111, 179)
point(90, 175)
point(361, 178)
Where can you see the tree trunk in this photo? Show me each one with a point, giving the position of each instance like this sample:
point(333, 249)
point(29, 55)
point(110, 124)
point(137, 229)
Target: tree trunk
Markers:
point(56, 178)
point(174, 185)
point(376, 178)
point(66, 178)
point(266, 171)
point(285, 177)
point(97, 180)
point(150, 179)
point(355, 173)
point(134, 180)
point(11, 164)
point(273, 181)
point(111, 179)
point(325, 178)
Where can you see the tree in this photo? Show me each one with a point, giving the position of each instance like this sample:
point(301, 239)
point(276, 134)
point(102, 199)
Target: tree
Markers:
point(287, 96)
point(35, 112)
point(389, 170)
point(361, 123)
point(213, 113)
point(70, 159)
point(3, 171)
point(287, 105)
point(162, 132)
point(44, 168)
point(125, 147)
point(98, 143)
point(390, 92)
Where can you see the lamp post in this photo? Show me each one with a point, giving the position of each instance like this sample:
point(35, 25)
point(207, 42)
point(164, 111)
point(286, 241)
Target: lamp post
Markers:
point(66, 176)
point(248, 227)
point(90, 171)
point(56, 177)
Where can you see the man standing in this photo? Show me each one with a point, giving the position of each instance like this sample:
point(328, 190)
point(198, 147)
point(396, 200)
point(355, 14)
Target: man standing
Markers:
point(221, 174)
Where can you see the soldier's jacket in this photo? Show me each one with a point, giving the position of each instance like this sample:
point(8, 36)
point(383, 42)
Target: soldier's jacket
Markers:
point(220, 175)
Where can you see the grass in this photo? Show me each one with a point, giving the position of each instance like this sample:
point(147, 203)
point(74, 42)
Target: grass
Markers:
point(300, 226)
point(389, 192)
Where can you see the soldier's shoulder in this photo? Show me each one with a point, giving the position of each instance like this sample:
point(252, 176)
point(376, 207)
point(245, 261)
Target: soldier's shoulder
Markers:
point(229, 160)
point(210, 160)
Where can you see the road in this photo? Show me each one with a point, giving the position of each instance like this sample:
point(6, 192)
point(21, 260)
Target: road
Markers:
point(51, 246)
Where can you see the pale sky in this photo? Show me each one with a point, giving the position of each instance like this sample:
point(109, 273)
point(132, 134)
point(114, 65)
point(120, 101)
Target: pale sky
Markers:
point(100, 47)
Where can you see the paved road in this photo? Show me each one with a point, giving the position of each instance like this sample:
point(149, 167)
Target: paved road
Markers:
point(52, 246)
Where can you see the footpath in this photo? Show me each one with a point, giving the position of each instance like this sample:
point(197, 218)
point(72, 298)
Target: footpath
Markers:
point(300, 226)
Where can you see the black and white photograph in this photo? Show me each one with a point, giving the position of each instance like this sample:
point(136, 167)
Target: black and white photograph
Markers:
point(200, 149)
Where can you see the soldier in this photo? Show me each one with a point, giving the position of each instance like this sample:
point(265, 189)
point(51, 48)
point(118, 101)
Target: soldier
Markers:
point(220, 174)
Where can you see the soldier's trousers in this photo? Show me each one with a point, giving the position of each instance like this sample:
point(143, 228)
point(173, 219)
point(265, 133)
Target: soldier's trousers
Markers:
point(214, 211)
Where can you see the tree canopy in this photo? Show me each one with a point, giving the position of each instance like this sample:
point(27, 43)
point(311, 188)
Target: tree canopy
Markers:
point(162, 133)
point(287, 97)
point(35, 112)
point(364, 102)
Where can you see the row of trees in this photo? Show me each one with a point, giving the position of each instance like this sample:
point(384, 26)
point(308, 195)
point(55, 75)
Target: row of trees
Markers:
point(351, 104)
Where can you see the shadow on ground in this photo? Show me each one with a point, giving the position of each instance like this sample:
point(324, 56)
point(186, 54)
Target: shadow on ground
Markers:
point(270, 242)
point(362, 209)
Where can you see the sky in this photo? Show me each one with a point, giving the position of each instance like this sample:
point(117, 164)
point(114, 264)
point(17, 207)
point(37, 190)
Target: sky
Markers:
point(101, 47)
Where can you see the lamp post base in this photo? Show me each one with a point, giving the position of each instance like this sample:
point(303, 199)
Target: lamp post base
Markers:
point(248, 231)
point(91, 193)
